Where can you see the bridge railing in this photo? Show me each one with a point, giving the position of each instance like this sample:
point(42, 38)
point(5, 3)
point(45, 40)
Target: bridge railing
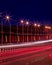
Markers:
point(24, 38)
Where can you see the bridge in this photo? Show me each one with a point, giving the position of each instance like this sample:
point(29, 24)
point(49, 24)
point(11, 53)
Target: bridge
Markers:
point(24, 33)
point(25, 43)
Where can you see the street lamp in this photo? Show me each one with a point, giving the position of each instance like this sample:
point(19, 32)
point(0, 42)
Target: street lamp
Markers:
point(38, 25)
point(27, 23)
point(38, 31)
point(22, 22)
point(35, 25)
point(2, 31)
point(17, 33)
point(31, 31)
point(8, 18)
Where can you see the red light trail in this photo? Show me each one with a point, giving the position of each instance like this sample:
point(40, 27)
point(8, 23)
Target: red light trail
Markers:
point(25, 53)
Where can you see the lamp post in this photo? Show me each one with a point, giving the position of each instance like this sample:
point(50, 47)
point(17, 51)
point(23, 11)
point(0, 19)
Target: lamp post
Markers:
point(1, 17)
point(17, 34)
point(35, 25)
point(38, 31)
point(8, 18)
point(2, 31)
point(22, 22)
point(27, 23)
point(31, 32)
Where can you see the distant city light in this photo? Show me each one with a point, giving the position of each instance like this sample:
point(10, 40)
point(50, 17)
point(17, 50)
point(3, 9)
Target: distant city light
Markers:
point(47, 27)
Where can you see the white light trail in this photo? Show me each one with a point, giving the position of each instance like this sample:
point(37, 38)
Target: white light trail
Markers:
point(26, 44)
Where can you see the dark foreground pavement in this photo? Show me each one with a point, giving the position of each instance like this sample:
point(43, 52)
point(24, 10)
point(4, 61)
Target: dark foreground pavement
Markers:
point(41, 55)
point(46, 61)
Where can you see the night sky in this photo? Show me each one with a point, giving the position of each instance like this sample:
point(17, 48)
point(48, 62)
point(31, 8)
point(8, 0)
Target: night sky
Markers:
point(34, 10)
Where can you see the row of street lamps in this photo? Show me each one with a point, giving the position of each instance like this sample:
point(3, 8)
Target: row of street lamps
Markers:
point(22, 22)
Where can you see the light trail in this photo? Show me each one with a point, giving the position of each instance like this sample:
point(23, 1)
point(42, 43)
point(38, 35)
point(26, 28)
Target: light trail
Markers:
point(33, 56)
point(26, 54)
point(26, 51)
point(37, 57)
point(26, 44)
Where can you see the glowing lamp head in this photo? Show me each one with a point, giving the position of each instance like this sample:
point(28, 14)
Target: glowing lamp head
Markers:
point(22, 21)
point(38, 25)
point(35, 24)
point(27, 23)
point(7, 17)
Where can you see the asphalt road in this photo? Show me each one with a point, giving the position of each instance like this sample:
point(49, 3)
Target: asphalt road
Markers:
point(34, 55)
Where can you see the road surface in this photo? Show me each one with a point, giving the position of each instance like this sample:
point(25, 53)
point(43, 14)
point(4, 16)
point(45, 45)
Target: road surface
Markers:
point(38, 55)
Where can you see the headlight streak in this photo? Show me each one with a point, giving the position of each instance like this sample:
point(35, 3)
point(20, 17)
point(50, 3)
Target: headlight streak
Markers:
point(26, 44)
